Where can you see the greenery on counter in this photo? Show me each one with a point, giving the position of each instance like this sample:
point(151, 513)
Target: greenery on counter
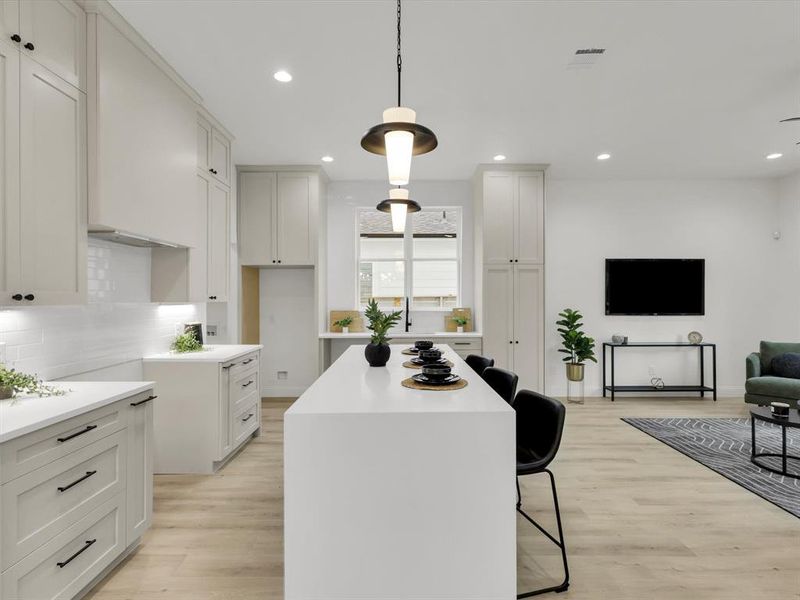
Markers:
point(380, 322)
point(460, 320)
point(344, 321)
point(186, 342)
point(14, 382)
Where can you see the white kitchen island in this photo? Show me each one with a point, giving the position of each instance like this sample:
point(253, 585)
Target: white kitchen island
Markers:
point(397, 493)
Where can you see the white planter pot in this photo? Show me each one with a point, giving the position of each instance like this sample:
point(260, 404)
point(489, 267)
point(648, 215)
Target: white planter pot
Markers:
point(345, 330)
point(459, 329)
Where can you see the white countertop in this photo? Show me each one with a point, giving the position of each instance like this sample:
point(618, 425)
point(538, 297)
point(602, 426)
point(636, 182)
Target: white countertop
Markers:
point(221, 353)
point(350, 385)
point(25, 414)
point(362, 335)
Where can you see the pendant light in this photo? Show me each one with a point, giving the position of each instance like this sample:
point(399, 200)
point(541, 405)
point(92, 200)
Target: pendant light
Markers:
point(399, 206)
point(399, 136)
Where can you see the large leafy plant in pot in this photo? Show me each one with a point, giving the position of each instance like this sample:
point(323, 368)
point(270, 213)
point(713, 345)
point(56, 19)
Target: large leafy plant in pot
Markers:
point(578, 346)
point(377, 351)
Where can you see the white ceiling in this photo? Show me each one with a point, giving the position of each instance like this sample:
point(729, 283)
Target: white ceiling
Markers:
point(684, 90)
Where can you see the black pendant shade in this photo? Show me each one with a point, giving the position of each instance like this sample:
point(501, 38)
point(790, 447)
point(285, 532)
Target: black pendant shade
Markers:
point(386, 205)
point(374, 140)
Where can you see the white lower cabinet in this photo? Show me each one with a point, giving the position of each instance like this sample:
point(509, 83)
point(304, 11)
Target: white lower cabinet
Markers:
point(74, 495)
point(207, 408)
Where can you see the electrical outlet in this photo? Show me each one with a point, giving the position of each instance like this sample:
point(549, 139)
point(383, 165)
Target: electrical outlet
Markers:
point(211, 330)
point(2, 353)
point(283, 374)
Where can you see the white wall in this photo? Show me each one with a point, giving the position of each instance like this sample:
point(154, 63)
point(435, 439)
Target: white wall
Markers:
point(106, 337)
point(288, 331)
point(344, 197)
point(788, 225)
point(729, 223)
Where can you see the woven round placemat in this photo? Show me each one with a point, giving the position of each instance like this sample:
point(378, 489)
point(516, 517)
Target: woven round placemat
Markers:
point(408, 352)
point(410, 383)
point(410, 365)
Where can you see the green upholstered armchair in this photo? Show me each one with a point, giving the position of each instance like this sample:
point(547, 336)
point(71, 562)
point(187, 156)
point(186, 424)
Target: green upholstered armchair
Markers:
point(761, 386)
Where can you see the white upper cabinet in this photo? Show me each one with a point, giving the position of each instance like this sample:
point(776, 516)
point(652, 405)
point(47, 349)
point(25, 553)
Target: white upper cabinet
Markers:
point(218, 242)
point(142, 140)
point(256, 217)
point(9, 21)
point(9, 175)
point(204, 145)
point(53, 33)
point(296, 215)
point(513, 217)
point(213, 152)
point(278, 217)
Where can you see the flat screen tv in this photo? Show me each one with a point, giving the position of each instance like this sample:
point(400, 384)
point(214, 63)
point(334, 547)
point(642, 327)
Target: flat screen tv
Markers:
point(655, 286)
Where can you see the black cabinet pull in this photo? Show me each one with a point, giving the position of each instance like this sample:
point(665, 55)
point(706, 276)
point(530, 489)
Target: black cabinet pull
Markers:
point(510, 341)
point(510, 260)
point(81, 432)
point(517, 342)
point(86, 546)
point(248, 361)
point(244, 385)
point(140, 402)
point(16, 38)
point(279, 261)
point(30, 46)
point(77, 481)
point(17, 297)
point(29, 297)
point(247, 418)
point(226, 367)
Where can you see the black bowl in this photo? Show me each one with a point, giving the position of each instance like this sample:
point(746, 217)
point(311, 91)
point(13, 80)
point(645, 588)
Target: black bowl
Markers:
point(430, 355)
point(435, 371)
point(423, 345)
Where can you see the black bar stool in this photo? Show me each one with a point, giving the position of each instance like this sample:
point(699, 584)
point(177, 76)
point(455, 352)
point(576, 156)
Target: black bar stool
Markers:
point(540, 423)
point(501, 381)
point(479, 363)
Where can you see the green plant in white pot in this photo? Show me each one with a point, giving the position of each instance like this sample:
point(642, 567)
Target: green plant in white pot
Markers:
point(578, 346)
point(460, 322)
point(344, 323)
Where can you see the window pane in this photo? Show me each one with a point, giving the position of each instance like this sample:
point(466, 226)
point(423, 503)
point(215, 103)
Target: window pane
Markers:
point(382, 280)
point(435, 284)
point(381, 247)
point(435, 233)
point(435, 247)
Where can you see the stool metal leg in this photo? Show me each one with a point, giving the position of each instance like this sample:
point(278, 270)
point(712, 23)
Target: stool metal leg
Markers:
point(562, 587)
point(519, 495)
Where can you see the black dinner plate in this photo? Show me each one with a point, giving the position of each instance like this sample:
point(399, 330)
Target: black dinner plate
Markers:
point(421, 361)
point(416, 350)
point(449, 380)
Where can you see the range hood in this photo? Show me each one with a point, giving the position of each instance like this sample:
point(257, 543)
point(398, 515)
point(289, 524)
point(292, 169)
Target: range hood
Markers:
point(129, 239)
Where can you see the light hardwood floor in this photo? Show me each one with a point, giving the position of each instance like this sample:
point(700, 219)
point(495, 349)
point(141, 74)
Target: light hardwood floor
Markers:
point(642, 521)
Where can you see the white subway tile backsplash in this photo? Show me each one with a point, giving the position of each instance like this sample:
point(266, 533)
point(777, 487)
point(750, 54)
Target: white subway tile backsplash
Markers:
point(119, 323)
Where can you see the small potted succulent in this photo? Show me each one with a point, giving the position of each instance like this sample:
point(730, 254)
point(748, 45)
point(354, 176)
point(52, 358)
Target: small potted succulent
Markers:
point(13, 382)
point(377, 351)
point(186, 342)
point(344, 323)
point(576, 344)
point(460, 321)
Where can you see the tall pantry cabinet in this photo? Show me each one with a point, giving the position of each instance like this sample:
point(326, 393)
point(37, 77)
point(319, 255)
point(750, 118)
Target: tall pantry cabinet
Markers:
point(509, 237)
point(42, 130)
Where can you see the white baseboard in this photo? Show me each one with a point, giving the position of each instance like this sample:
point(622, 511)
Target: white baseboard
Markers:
point(282, 391)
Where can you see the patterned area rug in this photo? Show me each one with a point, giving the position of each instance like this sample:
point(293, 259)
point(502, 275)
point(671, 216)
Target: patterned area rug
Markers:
point(723, 445)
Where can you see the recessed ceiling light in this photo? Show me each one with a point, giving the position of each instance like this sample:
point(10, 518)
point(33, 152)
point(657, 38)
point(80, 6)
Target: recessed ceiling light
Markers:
point(774, 155)
point(327, 158)
point(603, 156)
point(499, 157)
point(283, 76)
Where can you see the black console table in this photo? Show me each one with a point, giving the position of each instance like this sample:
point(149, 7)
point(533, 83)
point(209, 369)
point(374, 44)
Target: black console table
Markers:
point(702, 388)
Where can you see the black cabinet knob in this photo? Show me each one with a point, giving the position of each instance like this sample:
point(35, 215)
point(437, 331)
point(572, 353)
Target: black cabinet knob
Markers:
point(29, 297)
point(16, 38)
point(30, 46)
point(517, 342)
point(279, 261)
point(17, 297)
point(510, 341)
point(273, 262)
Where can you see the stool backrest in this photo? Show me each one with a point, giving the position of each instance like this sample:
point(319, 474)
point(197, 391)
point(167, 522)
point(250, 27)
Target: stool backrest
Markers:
point(479, 363)
point(540, 424)
point(501, 381)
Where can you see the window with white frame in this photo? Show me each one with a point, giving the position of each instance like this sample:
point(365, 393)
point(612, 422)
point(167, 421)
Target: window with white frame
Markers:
point(423, 263)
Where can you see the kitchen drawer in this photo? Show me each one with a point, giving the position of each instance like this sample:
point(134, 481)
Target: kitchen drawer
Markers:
point(240, 366)
point(242, 389)
point(470, 346)
point(24, 454)
point(44, 502)
point(66, 564)
point(246, 422)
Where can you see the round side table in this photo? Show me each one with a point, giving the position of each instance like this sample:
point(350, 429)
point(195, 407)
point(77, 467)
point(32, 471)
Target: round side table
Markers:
point(763, 413)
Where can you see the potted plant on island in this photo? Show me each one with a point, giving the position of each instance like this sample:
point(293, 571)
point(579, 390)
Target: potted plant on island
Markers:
point(377, 351)
point(344, 323)
point(460, 322)
point(576, 344)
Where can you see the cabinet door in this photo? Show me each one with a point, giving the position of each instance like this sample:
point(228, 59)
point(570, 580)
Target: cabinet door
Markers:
point(529, 218)
point(53, 187)
point(218, 210)
point(498, 217)
point(296, 206)
point(140, 469)
point(221, 157)
point(498, 314)
point(9, 174)
point(9, 20)
point(528, 326)
point(256, 218)
point(203, 145)
point(56, 29)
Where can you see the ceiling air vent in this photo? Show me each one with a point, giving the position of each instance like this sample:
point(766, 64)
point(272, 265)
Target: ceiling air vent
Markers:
point(585, 57)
